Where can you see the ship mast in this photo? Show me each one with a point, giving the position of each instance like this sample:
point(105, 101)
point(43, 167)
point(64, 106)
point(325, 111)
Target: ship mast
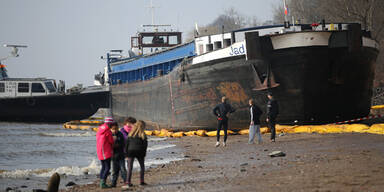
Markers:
point(152, 7)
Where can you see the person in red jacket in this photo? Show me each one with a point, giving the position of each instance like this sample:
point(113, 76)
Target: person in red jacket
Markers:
point(104, 146)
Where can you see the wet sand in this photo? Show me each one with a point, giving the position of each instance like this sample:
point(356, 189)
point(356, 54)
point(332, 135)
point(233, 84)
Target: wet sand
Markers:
point(313, 162)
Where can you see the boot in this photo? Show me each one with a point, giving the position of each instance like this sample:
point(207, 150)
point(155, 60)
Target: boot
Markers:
point(103, 184)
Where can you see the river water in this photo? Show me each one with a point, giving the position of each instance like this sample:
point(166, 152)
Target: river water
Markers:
point(31, 153)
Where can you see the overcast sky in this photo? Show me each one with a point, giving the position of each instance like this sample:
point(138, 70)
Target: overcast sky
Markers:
point(66, 38)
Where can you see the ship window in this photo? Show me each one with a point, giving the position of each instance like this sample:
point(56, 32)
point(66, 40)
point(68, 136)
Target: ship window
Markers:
point(173, 40)
point(23, 88)
point(37, 88)
point(2, 88)
point(50, 87)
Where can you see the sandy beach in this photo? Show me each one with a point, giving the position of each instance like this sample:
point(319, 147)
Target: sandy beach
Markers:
point(313, 162)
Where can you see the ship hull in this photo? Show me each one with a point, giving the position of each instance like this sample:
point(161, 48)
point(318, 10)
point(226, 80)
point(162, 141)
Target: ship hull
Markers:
point(316, 84)
point(52, 108)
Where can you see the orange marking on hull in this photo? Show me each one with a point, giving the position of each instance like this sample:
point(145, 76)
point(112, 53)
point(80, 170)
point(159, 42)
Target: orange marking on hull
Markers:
point(233, 91)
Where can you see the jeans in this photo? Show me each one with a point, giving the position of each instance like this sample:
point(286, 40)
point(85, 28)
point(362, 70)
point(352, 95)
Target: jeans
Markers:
point(117, 166)
point(130, 166)
point(222, 123)
point(254, 129)
point(105, 167)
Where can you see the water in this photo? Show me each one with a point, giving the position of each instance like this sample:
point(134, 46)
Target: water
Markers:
point(31, 153)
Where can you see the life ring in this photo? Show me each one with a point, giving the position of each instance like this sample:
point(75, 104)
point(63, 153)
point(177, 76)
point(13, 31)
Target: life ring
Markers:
point(31, 101)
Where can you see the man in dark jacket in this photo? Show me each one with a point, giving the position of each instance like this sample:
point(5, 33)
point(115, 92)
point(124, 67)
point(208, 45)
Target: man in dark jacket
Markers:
point(254, 127)
point(118, 162)
point(272, 112)
point(221, 111)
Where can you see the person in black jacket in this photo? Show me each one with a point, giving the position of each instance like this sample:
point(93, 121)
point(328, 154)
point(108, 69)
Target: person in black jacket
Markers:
point(272, 112)
point(254, 127)
point(136, 147)
point(118, 162)
point(221, 111)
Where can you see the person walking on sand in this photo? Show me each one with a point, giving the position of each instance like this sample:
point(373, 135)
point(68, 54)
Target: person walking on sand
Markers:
point(254, 127)
point(118, 162)
point(272, 112)
point(136, 147)
point(104, 146)
point(221, 111)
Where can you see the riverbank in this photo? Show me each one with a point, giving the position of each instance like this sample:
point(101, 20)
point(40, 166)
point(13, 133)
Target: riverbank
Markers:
point(313, 162)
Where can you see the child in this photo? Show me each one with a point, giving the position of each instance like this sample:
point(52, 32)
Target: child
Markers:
point(128, 124)
point(136, 147)
point(118, 163)
point(104, 144)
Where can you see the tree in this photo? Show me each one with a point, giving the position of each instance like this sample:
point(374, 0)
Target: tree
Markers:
point(367, 12)
point(229, 20)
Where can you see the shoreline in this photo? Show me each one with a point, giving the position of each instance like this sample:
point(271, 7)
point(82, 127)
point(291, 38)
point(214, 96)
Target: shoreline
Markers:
point(313, 162)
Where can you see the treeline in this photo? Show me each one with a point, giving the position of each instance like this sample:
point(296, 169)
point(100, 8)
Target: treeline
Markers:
point(229, 20)
point(367, 12)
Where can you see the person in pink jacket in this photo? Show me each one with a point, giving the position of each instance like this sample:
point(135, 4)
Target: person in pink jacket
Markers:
point(104, 146)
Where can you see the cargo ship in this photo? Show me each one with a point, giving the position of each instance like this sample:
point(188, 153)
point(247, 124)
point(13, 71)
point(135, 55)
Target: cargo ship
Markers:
point(318, 73)
point(42, 100)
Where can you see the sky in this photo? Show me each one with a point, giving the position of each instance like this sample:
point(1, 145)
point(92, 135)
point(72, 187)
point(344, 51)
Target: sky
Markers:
point(66, 38)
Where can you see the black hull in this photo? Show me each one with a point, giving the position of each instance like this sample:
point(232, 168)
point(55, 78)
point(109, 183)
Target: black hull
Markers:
point(316, 85)
point(52, 108)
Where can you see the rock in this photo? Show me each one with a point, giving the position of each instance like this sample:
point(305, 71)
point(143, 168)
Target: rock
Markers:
point(85, 171)
point(53, 183)
point(23, 186)
point(244, 164)
point(70, 184)
point(277, 154)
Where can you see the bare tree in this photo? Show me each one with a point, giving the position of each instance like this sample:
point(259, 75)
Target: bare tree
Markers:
point(367, 12)
point(229, 20)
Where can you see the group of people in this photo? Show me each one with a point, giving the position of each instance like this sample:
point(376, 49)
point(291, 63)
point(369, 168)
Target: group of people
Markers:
point(121, 147)
point(222, 110)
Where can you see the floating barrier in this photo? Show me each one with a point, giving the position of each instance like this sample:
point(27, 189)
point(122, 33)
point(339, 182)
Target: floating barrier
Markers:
point(86, 124)
point(321, 129)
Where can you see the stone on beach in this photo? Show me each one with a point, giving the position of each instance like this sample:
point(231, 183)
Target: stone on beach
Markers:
point(277, 154)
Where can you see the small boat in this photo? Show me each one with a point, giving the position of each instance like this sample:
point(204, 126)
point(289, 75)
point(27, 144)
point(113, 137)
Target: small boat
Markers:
point(42, 100)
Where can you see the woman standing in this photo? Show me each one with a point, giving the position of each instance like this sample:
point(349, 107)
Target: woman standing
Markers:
point(136, 147)
point(104, 145)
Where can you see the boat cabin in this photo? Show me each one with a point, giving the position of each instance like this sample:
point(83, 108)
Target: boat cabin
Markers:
point(26, 87)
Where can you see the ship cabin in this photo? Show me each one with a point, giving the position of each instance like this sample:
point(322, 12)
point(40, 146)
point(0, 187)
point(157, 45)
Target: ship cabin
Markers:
point(153, 53)
point(26, 87)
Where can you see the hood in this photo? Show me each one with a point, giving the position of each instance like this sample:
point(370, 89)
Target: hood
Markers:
point(103, 128)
